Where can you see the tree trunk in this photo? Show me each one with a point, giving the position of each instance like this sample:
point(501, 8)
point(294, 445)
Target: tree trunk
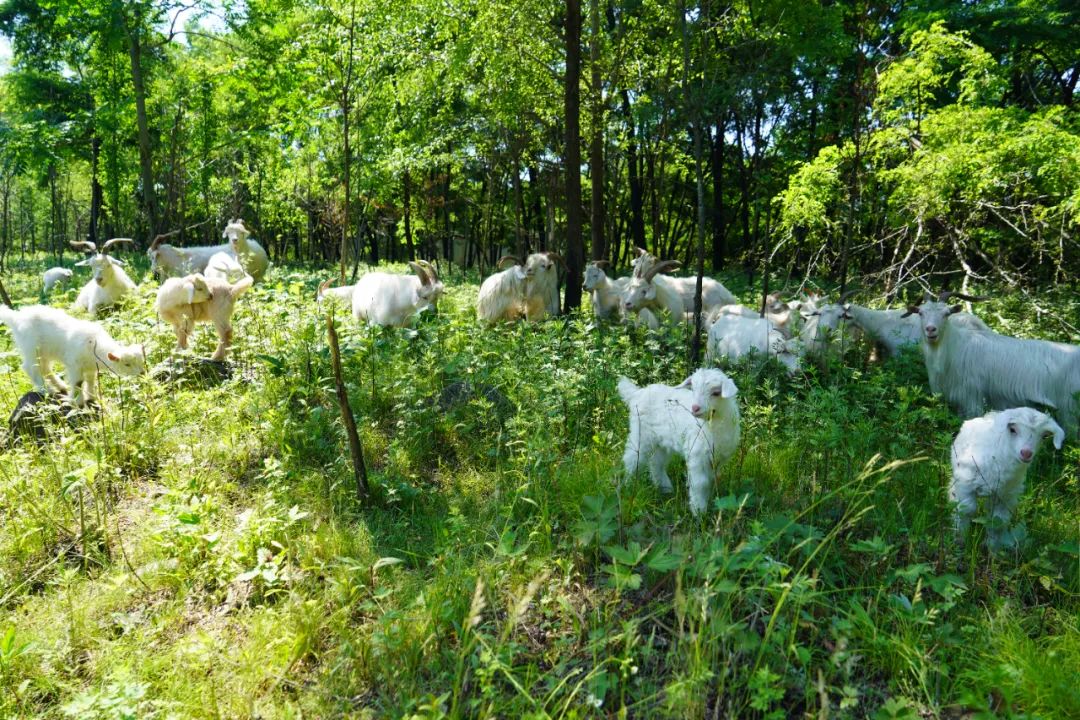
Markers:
point(146, 165)
point(407, 182)
point(633, 170)
point(719, 228)
point(596, 144)
point(575, 250)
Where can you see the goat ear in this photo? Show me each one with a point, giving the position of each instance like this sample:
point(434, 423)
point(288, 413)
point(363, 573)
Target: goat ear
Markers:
point(1059, 434)
point(82, 263)
point(955, 309)
point(685, 385)
point(190, 287)
point(113, 356)
point(911, 310)
point(728, 389)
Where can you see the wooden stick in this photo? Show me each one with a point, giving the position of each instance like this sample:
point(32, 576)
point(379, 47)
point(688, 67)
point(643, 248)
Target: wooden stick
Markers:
point(355, 449)
point(5, 297)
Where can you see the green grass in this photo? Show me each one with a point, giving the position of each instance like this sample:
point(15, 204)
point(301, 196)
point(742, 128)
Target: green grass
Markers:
point(202, 553)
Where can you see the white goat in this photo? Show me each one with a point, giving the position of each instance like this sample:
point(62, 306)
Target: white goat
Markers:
point(977, 368)
point(224, 266)
point(502, 294)
point(606, 292)
point(698, 420)
point(55, 276)
point(649, 289)
point(45, 335)
point(248, 252)
point(182, 302)
point(734, 336)
point(543, 274)
point(385, 299)
point(110, 282)
point(896, 329)
point(824, 329)
point(341, 294)
point(170, 261)
point(990, 458)
point(713, 293)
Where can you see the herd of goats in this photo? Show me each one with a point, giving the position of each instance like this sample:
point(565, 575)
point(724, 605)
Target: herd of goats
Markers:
point(972, 366)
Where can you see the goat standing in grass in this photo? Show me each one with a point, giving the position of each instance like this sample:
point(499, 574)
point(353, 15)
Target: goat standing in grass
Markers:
point(182, 302)
point(698, 419)
point(990, 458)
point(45, 335)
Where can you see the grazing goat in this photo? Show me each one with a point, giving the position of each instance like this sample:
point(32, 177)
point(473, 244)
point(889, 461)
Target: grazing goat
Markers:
point(823, 326)
point(45, 335)
point(55, 276)
point(182, 302)
point(976, 368)
point(734, 336)
point(990, 458)
point(110, 282)
point(649, 289)
point(224, 266)
point(334, 294)
point(698, 420)
point(513, 293)
point(605, 292)
point(713, 293)
point(894, 330)
point(392, 300)
point(248, 252)
point(170, 261)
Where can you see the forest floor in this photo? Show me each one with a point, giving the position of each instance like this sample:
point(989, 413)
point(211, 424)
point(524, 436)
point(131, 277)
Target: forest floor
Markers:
point(202, 553)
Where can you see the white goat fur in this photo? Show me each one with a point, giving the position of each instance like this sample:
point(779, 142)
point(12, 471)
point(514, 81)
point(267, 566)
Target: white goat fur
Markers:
point(657, 293)
point(735, 336)
point(44, 335)
point(182, 302)
point(974, 369)
point(502, 296)
point(990, 458)
point(713, 293)
point(170, 261)
point(55, 276)
point(606, 292)
point(248, 252)
point(224, 266)
point(392, 300)
point(698, 420)
point(106, 287)
point(893, 331)
point(543, 274)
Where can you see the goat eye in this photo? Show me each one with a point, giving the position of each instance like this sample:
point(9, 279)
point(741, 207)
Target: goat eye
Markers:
point(716, 392)
point(1012, 429)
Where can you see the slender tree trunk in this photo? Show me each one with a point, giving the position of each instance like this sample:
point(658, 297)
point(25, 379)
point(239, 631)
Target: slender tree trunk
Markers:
point(633, 171)
point(719, 228)
point(407, 182)
point(146, 165)
point(575, 250)
point(596, 142)
point(95, 189)
point(520, 246)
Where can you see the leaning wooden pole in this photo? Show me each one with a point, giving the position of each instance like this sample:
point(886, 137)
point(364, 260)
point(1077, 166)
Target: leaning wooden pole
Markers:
point(355, 449)
point(4, 296)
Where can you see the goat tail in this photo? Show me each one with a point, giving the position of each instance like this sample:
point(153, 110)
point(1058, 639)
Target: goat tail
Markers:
point(238, 289)
point(627, 389)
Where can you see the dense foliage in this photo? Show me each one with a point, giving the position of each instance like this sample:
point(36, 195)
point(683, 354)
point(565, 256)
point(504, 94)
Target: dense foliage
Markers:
point(912, 140)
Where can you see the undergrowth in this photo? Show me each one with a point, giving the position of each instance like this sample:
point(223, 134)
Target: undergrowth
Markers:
point(202, 553)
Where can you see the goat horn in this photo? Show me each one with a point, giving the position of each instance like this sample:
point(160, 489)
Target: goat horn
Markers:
point(504, 258)
point(556, 257)
point(659, 268)
point(601, 263)
point(430, 269)
point(84, 245)
point(114, 241)
point(641, 251)
point(323, 285)
point(844, 298)
point(421, 273)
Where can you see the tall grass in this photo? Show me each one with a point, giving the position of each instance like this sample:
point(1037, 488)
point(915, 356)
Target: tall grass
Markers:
point(201, 552)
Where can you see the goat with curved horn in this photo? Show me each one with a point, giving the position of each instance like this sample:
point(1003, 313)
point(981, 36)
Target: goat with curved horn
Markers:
point(114, 241)
point(504, 258)
point(84, 245)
